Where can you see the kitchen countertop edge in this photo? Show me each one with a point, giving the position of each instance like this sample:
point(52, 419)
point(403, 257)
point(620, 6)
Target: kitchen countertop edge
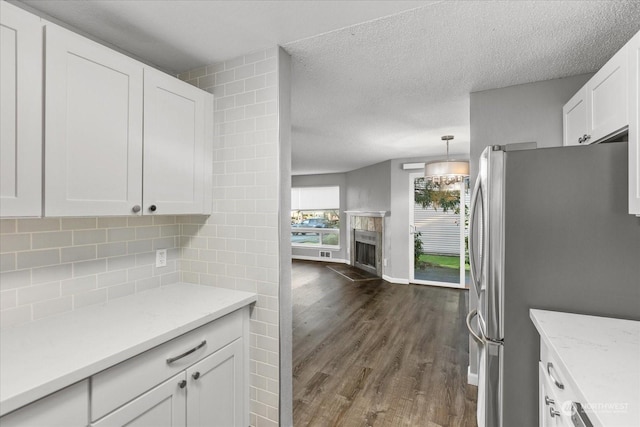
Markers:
point(25, 396)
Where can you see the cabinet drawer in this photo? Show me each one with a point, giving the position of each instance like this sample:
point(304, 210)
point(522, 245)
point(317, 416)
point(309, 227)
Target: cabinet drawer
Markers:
point(553, 411)
point(121, 383)
point(562, 396)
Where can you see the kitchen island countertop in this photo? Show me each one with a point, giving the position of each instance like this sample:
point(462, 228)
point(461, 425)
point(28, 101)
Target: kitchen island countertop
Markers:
point(44, 356)
point(601, 356)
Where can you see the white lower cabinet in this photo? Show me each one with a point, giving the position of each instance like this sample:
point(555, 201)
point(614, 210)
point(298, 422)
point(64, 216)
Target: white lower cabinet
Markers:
point(65, 408)
point(197, 379)
point(215, 394)
point(163, 406)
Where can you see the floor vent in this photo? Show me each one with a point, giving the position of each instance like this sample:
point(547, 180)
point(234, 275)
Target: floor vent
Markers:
point(325, 254)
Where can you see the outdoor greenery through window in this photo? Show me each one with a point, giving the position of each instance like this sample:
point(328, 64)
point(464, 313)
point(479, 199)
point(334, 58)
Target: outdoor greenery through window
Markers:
point(315, 216)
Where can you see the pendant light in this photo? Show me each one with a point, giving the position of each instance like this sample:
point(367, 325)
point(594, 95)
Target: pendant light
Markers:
point(447, 172)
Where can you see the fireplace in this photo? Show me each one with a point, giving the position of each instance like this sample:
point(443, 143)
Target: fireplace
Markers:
point(366, 246)
point(366, 250)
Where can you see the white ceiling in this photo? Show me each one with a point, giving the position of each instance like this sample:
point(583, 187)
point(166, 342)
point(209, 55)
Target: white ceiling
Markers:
point(373, 80)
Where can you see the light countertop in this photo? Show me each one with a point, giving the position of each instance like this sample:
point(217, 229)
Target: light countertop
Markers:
point(42, 357)
point(602, 359)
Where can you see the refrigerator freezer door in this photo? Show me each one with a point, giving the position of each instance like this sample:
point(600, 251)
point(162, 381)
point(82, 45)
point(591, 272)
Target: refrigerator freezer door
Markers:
point(491, 179)
point(490, 384)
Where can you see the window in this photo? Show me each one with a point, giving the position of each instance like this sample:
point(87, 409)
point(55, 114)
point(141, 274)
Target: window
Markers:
point(315, 216)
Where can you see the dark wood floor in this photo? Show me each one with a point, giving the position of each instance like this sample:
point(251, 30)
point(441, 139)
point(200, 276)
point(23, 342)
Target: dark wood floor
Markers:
point(378, 354)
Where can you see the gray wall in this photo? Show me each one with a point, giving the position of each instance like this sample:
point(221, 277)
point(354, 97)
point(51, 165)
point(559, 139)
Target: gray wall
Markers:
point(339, 179)
point(522, 113)
point(369, 188)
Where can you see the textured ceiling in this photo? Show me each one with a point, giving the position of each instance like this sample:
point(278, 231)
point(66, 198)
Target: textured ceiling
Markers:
point(373, 80)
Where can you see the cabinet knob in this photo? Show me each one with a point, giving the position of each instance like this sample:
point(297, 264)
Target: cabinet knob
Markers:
point(548, 401)
point(553, 412)
point(196, 375)
point(153, 208)
point(586, 138)
point(136, 208)
point(182, 384)
point(580, 140)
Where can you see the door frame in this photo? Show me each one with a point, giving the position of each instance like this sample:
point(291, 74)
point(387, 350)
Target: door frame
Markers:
point(411, 229)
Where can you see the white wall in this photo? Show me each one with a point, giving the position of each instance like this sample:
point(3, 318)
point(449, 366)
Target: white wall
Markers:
point(239, 246)
point(524, 113)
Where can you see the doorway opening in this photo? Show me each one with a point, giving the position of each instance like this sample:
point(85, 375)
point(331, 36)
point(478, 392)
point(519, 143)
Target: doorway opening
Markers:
point(438, 218)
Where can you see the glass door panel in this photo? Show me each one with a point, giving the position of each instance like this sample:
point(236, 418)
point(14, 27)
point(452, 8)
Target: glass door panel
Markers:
point(439, 228)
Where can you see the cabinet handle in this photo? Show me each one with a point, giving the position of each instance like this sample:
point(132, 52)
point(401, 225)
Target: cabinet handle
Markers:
point(186, 353)
point(153, 208)
point(548, 401)
point(196, 375)
point(580, 140)
point(586, 138)
point(555, 381)
point(182, 384)
point(136, 208)
point(553, 412)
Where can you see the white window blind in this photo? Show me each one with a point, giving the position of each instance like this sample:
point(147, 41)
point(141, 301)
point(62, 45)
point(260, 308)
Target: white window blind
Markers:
point(310, 198)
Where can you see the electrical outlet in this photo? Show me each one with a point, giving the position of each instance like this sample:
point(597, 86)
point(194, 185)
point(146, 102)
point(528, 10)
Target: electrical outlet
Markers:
point(161, 258)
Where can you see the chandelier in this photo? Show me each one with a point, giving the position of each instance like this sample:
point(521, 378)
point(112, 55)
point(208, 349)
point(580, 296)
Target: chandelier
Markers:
point(447, 172)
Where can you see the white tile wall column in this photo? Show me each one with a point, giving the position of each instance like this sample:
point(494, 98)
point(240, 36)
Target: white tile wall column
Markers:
point(238, 247)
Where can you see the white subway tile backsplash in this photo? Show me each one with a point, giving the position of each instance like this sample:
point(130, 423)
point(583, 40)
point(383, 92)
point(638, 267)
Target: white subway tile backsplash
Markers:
point(15, 242)
point(78, 223)
point(38, 224)
point(38, 258)
point(52, 239)
point(107, 250)
point(51, 273)
point(118, 291)
point(112, 278)
point(112, 222)
point(8, 226)
point(87, 237)
point(33, 294)
point(97, 296)
point(121, 234)
point(85, 268)
point(7, 262)
point(147, 232)
point(78, 253)
point(79, 285)
point(15, 279)
point(8, 299)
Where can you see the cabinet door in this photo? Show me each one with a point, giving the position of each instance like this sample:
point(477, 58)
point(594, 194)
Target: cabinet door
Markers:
point(20, 112)
point(68, 407)
point(162, 406)
point(174, 145)
point(216, 390)
point(93, 129)
point(608, 93)
point(633, 48)
point(575, 118)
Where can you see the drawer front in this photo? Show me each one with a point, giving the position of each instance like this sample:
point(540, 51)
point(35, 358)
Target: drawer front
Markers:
point(553, 412)
point(125, 381)
point(556, 378)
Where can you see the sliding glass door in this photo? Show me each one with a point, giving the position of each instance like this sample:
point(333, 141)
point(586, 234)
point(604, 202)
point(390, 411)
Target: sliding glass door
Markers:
point(438, 229)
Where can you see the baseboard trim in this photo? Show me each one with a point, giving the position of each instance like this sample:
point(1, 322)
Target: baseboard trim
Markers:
point(472, 378)
point(317, 258)
point(395, 280)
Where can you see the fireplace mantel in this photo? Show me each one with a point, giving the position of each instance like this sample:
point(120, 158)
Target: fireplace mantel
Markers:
point(375, 214)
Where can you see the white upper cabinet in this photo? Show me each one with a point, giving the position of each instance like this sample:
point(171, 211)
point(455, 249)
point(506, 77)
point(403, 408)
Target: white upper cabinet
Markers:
point(174, 145)
point(20, 112)
point(122, 138)
point(634, 124)
point(93, 129)
point(575, 118)
point(607, 93)
point(599, 109)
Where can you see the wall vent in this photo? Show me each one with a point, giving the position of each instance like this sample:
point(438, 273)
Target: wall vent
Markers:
point(325, 254)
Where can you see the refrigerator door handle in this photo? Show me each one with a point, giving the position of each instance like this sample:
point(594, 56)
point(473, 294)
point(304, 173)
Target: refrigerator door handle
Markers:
point(477, 338)
point(475, 279)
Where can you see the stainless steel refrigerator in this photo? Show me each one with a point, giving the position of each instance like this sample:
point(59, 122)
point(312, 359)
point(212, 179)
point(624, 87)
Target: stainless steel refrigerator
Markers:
point(549, 229)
